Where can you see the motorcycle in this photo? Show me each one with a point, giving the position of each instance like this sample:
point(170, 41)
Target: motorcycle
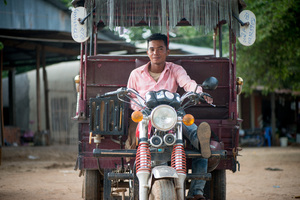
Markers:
point(252, 138)
point(161, 157)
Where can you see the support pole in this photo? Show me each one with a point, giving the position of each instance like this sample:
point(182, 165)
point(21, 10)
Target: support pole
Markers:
point(220, 41)
point(12, 96)
point(252, 111)
point(38, 103)
point(215, 41)
point(46, 93)
point(273, 118)
point(95, 39)
point(1, 109)
point(231, 109)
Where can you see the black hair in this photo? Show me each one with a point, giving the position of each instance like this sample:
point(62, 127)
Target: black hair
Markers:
point(158, 36)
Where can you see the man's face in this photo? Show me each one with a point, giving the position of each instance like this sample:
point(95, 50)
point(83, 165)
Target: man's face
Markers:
point(157, 52)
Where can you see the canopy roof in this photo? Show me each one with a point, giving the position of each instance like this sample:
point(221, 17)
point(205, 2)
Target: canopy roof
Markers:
point(164, 13)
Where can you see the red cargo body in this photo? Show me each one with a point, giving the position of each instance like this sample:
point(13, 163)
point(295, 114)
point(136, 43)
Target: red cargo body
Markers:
point(107, 73)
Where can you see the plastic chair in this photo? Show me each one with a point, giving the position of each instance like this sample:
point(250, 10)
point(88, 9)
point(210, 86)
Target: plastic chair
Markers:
point(268, 134)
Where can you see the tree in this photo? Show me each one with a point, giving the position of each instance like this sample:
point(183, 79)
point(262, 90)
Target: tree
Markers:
point(66, 2)
point(274, 59)
point(190, 35)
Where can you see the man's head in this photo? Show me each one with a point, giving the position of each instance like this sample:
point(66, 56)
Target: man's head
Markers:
point(157, 49)
point(158, 36)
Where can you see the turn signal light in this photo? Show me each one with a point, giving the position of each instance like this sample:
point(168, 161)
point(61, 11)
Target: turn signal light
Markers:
point(137, 116)
point(77, 79)
point(188, 119)
point(239, 81)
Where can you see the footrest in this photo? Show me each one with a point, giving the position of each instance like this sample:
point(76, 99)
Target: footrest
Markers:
point(132, 153)
point(122, 176)
point(203, 176)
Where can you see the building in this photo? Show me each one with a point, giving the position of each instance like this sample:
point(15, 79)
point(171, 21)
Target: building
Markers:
point(36, 33)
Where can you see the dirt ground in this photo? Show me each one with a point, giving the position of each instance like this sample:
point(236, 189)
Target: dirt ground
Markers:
point(46, 173)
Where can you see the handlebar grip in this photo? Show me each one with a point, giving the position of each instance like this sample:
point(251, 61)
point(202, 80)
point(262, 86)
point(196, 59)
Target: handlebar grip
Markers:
point(111, 93)
point(202, 98)
point(118, 91)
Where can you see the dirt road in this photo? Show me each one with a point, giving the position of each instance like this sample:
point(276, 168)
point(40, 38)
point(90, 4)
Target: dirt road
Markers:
point(46, 173)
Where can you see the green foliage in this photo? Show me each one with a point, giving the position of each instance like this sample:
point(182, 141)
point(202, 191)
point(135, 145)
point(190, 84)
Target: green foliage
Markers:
point(67, 2)
point(273, 61)
point(189, 35)
point(4, 74)
point(24, 69)
point(1, 46)
point(184, 35)
point(139, 34)
point(19, 70)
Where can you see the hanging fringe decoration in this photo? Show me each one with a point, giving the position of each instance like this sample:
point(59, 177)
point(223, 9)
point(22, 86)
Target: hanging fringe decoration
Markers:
point(204, 14)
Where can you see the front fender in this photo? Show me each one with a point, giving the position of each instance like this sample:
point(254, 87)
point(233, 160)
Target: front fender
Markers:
point(161, 172)
point(164, 172)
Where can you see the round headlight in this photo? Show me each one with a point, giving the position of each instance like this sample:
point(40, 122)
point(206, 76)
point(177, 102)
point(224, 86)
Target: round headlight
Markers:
point(164, 117)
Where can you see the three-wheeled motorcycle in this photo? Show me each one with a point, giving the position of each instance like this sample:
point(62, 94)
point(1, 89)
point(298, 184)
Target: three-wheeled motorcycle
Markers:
point(160, 166)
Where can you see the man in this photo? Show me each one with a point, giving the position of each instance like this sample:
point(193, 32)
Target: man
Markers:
point(159, 74)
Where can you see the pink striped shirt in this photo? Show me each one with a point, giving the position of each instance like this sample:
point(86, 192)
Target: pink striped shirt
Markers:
point(171, 77)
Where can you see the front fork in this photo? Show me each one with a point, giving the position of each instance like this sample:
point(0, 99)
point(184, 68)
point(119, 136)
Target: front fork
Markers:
point(143, 162)
point(178, 162)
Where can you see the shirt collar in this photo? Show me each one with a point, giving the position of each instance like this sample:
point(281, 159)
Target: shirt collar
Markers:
point(145, 67)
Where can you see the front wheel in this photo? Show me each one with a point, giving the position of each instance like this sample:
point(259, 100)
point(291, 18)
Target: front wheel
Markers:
point(163, 189)
point(219, 184)
point(92, 185)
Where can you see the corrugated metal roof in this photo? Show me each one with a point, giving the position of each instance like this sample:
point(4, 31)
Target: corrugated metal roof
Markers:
point(35, 15)
point(27, 24)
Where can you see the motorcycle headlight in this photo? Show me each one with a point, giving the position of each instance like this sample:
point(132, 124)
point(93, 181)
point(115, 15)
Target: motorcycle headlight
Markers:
point(163, 117)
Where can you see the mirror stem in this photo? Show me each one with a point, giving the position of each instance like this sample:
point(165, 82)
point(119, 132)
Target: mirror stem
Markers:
point(196, 88)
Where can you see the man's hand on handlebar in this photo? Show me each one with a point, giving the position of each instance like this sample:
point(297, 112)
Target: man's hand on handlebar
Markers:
point(206, 97)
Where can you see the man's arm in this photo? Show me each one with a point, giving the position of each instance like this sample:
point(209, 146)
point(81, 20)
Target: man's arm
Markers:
point(184, 80)
point(131, 81)
point(132, 84)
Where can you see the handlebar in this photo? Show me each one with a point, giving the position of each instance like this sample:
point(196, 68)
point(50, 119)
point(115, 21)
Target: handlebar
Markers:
point(125, 92)
point(117, 92)
point(193, 97)
point(201, 98)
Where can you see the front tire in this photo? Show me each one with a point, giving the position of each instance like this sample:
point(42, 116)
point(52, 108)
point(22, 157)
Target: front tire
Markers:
point(163, 189)
point(219, 184)
point(92, 185)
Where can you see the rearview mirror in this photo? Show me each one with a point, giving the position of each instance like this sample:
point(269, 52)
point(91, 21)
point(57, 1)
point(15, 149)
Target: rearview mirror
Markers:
point(210, 84)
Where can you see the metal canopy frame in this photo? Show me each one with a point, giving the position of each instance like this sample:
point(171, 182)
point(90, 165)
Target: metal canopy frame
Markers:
point(165, 14)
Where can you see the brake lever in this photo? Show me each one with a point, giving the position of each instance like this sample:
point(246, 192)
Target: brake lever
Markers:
point(213, 105)
point(201, 98)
